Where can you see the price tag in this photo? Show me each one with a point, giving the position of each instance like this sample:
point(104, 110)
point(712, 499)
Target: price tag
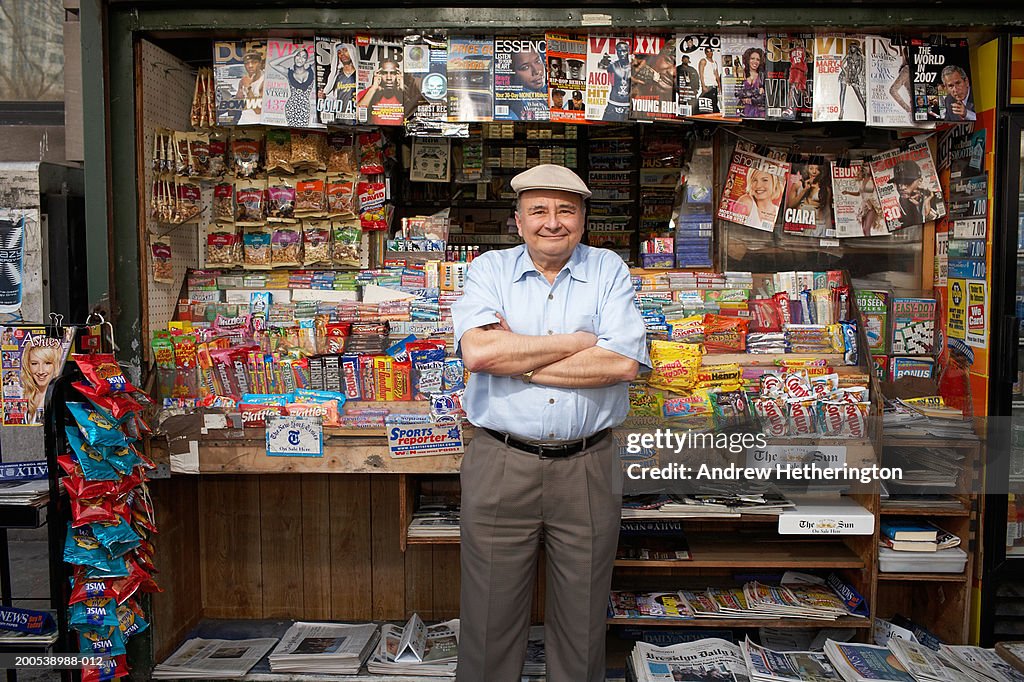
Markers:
point(295, 436)
point(970, 228)
point(828, 242)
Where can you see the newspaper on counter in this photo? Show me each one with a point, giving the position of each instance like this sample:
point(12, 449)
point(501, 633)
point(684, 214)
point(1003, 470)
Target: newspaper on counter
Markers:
point(980, 664)
point(710, 660)
point(417, 649)
point(766, 665)
point(335, 648)
point(865, 662)
point(924, 664)
point(213, 659)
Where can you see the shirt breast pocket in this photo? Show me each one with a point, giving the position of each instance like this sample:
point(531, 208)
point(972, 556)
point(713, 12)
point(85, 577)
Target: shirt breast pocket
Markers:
point(581, 323)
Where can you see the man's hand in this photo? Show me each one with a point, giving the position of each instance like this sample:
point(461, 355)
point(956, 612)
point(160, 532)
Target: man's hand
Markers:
point(959, 108)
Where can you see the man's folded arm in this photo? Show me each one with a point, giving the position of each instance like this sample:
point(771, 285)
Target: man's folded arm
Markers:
point(500, 352)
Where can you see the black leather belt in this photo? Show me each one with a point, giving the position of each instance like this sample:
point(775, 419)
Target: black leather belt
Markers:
point(549, 450)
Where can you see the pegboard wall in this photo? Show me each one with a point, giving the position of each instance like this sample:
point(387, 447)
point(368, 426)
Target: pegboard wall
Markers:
point(166, 99)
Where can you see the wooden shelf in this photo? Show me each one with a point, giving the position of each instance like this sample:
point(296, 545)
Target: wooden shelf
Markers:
point(709, 552)
point(436, 540)
point(920, 577)
point(911, 510)
point(845, 622)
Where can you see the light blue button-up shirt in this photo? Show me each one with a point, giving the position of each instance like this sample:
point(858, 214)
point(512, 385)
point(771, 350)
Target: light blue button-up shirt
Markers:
point(592, 293)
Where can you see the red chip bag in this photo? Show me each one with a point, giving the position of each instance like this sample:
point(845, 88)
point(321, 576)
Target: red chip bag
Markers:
point(115, 406)
point(102, 372)
point(110, 668)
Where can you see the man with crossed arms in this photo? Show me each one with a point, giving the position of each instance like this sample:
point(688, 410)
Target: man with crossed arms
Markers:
point(552, 336)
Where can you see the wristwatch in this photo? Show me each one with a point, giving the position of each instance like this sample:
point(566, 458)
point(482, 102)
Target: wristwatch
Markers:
point(527, 377)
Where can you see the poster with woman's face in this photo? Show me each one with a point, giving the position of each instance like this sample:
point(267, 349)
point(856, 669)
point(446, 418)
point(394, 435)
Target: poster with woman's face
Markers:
point(29, 361)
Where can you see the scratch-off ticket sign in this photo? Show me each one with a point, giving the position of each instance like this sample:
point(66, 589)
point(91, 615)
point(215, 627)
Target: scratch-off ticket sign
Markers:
point(424, 440)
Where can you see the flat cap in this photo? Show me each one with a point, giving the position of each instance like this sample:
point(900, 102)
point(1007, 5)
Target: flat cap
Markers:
point(550, 176)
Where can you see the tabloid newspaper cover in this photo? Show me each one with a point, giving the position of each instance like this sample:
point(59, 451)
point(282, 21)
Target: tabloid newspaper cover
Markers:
point(888, 79)
point(289, 89)
point(520, 79)
point(840, 83)
point(238, 72)
point(753, 190)
point(470, 78)
point(426, 81)
point(808, 209)
point(608, 70)
point(652, 94)
point(336, 80)
point(381, 85)
point(856, 211)
point(567, 77)
point(743, 72)
point(699, 75)
point(942, 79)
point(907, 187)
point(789, 77)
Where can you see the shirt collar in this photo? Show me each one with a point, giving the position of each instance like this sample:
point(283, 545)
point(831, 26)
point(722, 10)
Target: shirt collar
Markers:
point(576, 265)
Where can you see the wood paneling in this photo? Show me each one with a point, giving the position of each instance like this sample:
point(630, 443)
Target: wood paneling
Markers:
point(387, 558)
point(316, 547)
point(282, 560)
point(229, 533)
point(447, 581)
point(177, 609)
point(350, 566)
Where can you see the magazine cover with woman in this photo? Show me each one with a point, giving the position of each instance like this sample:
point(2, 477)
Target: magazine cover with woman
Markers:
point(753, 190)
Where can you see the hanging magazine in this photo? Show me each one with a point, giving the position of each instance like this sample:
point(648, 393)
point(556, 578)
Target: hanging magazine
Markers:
point(907, 187)
point(608, 70)
point(470, 79)
point(426, 81)
point(942, 79)
point(336, 80)
point(699, 75)
point(380, 98)
point(789, 78)
point(743, 74)
point(840, 83)
point(520, 79)
point(289, 90)
point(753, 190)
point(856, 211)
point(238, 72)
point(652, 94)
point(567, 77)
point(888, 79)
point(808, 200)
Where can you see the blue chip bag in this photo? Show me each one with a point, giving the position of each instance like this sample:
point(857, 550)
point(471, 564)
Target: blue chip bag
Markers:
point(96, 428)
point(118, 538)
point(95, 466)
point(123, 459)
point(83, 549)
point(96, 612)
point(101, 641)
point(130, 619)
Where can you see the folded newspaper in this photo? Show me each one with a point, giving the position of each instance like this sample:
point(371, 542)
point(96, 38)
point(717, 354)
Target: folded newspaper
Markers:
point(535, 664)
point(336, 648)
point(865, 662)
point(213, 659)
point(417, 649)
point(706, 660)
point(767, 665)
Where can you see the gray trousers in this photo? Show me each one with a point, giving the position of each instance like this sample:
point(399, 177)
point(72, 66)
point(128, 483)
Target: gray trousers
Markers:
point(508, 497)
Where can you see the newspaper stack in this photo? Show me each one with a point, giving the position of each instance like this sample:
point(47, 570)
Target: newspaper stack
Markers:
point(32, 493)
point(535, 664)
point(816, 602)
point(706, 659)
point(924, 664)
point(213, 659)
point(334, 648)
point(979, 665)
point(435, 517)
point(903, 420)
point(931, 467)
point(767, 665)
point(865, 663)
point(415, 649)
point(654, 605)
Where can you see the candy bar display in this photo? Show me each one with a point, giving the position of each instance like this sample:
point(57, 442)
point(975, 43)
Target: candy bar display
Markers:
point(109, 539)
